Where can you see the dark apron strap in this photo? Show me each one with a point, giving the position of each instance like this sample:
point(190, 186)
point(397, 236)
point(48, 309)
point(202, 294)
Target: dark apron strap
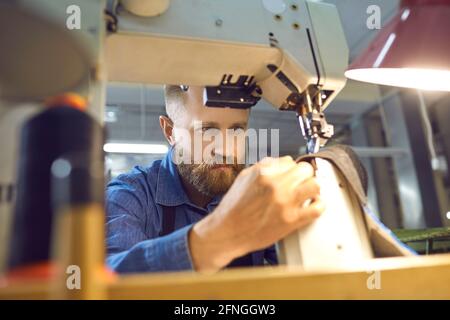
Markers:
point(244, 261)
point(168, 220)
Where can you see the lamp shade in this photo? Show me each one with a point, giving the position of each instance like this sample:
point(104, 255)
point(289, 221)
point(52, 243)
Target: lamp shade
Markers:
point(412, 50)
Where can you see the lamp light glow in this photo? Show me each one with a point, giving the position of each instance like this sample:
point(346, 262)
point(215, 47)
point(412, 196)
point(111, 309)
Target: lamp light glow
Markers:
point(135, 148)
point(411, 51)
point(423, 79)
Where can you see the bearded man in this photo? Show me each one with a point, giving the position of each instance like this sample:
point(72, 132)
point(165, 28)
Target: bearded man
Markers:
point(199, 208)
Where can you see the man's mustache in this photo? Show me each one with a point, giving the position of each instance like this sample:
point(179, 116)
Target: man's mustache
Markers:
point(229, 162)
point(221, 160)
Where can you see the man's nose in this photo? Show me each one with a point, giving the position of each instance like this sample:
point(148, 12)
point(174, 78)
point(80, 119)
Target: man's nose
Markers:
point(222, 157)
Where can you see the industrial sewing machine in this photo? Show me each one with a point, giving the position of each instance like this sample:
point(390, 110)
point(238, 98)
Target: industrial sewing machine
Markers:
point(293, 56)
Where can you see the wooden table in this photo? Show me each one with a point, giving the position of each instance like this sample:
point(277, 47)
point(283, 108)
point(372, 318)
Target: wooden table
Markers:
point(421, 277)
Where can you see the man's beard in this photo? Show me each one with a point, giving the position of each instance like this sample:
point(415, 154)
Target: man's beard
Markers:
point(210, 179)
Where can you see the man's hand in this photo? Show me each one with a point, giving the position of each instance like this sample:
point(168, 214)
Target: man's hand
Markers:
point(266, 202)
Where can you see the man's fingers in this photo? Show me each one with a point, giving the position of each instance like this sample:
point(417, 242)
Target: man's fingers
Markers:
point(302, 171)
point(267, 161)
point(295, 176)
point(310, 213)
point(306, 169)
point(309, 189)
point(276, 166)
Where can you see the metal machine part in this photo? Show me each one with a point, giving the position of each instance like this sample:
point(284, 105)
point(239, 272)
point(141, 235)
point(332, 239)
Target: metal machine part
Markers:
point(204, 45)
point(297, 65)
point(146, 8)
point(31, 72)
point(339, 238)
point(311, 118)
point(242, 94)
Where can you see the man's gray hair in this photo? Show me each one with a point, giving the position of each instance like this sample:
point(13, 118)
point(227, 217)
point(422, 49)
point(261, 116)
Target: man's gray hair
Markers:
point(174, 98)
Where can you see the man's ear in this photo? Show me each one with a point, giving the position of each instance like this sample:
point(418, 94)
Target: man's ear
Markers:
point(167, 129)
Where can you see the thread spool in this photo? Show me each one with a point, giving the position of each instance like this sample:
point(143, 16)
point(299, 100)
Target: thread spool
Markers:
point(63, 128)
point(78, 237)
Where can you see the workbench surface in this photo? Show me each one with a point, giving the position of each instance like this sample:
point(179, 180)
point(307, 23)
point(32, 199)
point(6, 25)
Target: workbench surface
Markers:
point(421, 277)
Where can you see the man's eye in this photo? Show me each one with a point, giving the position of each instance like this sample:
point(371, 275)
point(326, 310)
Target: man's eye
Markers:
point(204, 129)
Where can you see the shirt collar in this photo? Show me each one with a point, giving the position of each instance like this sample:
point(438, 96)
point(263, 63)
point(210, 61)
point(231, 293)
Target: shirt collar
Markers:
point(169, 190)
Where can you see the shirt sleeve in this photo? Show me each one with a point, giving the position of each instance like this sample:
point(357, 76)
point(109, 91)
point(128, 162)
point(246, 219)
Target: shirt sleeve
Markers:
point(129, 247)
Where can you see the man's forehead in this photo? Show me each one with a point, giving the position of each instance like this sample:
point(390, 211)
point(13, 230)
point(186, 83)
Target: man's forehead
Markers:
point(197, 111)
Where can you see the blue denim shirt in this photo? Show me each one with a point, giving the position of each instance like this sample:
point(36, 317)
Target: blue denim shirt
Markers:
point(134, 209)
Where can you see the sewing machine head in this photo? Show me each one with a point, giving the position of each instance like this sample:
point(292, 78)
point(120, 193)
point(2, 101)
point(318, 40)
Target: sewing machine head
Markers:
point(297, 65)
